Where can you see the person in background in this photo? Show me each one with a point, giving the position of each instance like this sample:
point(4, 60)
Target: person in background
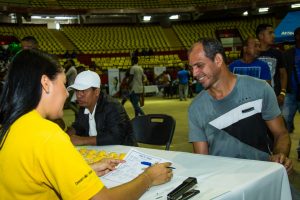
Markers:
point(124, 88)
point(80, 69)
point(38, 161)
point(166, 78)
point(150, 52)
point(292, 98)
point(235, 115)
point(73, 54)
point(67, 54)
point(274, 58)
point(70, 70)
point(101, 119)
point(164, 83)
point(134, 53)
point(71, 73)
point(249, 64)
point(29, 42)
point(136, 85)
point(183, 77)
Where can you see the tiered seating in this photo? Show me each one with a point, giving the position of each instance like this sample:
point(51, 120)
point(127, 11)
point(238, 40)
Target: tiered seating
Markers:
point(190, 33)
point(105, 39)
point(217, 2)
point(200, 5)
point(160, 60)
point(112, 62)
point(233, 55)
point(247, 27)
point(46, 39)
point(288, 46)
point(109, 4)
point(145, 61)
point(15, 2)
point(38, 3)
point(77, 63)
point(146, 4)
point(125, 39)
point(182, 3)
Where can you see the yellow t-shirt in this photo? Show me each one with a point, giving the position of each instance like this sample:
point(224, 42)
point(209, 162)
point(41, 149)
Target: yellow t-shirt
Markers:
point(38, 161)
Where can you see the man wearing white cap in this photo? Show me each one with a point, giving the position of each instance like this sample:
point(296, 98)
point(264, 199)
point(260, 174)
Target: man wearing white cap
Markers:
point(101, 119)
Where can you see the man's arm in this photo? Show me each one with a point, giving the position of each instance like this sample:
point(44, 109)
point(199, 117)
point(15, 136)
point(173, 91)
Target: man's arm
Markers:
point(130, 79)
point(200, 147)
point(283, 83)
point(282, 142)
point(71, 131)
point(83, 140)
point(80, 140)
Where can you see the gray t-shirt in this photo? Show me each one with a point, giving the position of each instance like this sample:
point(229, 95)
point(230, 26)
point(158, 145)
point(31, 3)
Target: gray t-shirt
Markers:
point(235, 125)
point(137, 81)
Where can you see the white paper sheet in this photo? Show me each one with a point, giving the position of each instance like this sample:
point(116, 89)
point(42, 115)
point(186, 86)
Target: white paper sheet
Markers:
point(127, 171)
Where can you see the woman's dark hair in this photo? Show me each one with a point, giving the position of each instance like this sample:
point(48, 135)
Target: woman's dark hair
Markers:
point(22, 88)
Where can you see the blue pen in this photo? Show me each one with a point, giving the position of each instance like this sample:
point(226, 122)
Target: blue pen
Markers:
point(146, 163)
point(149, 164)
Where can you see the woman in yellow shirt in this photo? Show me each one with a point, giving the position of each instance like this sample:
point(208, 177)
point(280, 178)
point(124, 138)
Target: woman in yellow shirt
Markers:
point(38, 161)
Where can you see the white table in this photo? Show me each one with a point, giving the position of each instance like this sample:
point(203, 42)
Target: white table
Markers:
point(220, 177)
point(151, 89)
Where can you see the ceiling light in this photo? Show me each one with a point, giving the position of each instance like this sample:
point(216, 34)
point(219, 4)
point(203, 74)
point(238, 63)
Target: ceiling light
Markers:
point(263, 9)
point(36, 17)
point(64, 17)
point(174, 17)
point(147, 18)
point(245, 13)
point(295, 5)
point(57, 26)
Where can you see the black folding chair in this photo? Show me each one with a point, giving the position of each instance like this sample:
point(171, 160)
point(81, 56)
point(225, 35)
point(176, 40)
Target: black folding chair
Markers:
point(155, 129)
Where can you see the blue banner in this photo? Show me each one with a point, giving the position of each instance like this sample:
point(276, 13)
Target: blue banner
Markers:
point(284, 32)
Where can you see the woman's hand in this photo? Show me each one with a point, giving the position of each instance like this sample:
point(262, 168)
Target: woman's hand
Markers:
point(105, 165)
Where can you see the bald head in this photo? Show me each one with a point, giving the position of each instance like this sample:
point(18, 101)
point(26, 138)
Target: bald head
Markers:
point(251, 47)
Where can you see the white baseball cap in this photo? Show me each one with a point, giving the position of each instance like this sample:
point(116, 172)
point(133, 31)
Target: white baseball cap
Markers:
point(86, 80)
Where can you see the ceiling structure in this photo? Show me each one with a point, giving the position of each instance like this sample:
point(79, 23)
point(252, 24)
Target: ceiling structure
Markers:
point(131, 11)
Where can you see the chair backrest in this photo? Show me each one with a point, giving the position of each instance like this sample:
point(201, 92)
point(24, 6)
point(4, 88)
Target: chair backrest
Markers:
point(155, 129)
